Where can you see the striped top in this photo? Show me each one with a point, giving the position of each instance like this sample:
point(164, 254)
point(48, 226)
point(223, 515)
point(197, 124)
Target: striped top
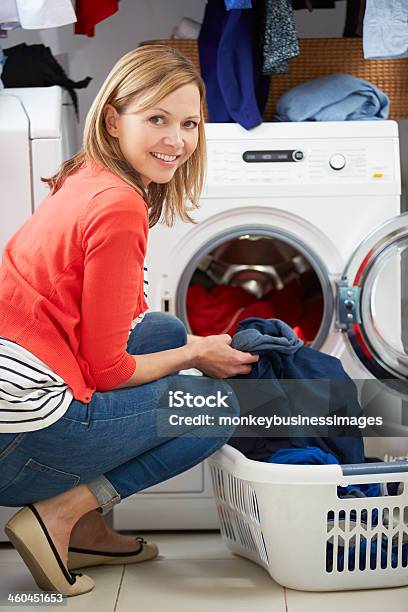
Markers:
point(32, 396)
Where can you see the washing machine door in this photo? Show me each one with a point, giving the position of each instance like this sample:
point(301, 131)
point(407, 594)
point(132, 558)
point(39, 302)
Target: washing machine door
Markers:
point(372, 302)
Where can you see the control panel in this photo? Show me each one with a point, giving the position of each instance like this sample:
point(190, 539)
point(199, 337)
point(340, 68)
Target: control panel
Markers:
point(330, 161)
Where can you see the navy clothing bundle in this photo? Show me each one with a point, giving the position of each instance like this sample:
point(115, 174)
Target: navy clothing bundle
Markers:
point(283, 356)
point(335, 97)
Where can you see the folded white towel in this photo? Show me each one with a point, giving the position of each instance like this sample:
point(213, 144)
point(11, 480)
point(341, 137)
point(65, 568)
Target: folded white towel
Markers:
point(186, 29)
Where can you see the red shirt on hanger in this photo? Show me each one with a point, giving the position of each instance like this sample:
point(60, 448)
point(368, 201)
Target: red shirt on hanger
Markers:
point(89, 13)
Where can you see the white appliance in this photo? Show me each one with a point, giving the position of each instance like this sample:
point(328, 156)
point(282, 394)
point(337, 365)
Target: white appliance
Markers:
point(37, 133)
point(311, 194)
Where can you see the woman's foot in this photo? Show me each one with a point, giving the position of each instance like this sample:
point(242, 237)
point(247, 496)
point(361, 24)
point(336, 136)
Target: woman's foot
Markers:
point(92, 533)
point(58, 529)
point(60, 514)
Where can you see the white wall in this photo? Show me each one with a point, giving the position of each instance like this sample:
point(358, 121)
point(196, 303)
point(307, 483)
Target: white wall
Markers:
point(136, 21)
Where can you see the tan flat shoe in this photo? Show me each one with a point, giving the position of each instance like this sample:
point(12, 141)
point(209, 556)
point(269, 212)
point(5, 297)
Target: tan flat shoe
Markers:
point(82, 557)
point(31, 539)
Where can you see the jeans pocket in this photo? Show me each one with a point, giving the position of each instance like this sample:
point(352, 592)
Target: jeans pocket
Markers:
point(36, 481)
point(9, 442)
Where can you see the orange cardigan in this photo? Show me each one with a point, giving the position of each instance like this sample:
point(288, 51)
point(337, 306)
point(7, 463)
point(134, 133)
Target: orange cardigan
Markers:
point(71, 280)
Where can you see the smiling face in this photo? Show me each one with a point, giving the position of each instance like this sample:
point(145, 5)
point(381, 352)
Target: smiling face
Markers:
point(158, 140)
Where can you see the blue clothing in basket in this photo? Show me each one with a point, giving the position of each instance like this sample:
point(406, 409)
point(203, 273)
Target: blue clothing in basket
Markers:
point(283, 356)
point(315, 456)
point(311, 455)
point(372, 561)
point(335, 97)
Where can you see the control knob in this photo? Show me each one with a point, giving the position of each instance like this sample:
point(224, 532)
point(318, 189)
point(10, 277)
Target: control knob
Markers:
point(337, 161)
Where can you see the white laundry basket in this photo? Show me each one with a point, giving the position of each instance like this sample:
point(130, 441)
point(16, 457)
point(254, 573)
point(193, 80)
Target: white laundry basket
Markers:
point(288, 518)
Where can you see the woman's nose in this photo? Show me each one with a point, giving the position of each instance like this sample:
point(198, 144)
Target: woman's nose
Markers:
point(173, 137)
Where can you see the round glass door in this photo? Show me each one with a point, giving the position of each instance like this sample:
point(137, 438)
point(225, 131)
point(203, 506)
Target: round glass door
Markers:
point(374, 301)
point(256, 272)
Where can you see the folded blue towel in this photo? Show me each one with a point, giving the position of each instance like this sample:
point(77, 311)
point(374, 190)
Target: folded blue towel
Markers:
point(335, 97)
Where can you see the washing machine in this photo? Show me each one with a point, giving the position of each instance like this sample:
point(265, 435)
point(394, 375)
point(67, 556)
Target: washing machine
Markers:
point(307, 214)
point(37, 133)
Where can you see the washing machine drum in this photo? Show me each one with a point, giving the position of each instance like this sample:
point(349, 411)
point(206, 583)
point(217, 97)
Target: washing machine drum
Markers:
point(254, 275)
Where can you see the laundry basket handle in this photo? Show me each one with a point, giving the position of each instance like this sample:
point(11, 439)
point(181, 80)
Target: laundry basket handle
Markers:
point(382, 467)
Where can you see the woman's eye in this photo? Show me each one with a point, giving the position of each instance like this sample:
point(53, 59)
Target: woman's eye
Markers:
point(159, 120)
point(156, 119)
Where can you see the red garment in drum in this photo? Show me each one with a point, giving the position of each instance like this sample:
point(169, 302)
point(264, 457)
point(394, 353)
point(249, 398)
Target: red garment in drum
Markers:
point(89, 13)
point(220, 309)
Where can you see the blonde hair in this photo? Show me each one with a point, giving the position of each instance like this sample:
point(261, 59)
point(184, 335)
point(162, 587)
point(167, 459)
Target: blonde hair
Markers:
point(153, 71)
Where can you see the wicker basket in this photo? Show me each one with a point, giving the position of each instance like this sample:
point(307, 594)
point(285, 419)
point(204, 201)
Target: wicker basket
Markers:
point(320, 56)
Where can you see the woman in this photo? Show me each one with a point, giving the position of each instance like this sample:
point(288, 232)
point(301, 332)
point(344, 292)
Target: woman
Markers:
point(83, 400)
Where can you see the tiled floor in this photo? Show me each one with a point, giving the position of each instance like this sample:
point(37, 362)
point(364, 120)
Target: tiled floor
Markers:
point(196, 573)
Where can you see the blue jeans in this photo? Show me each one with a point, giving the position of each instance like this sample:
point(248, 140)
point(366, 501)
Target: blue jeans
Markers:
point(114, 444)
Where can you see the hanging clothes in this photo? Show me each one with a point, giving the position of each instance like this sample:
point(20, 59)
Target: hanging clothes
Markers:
point(2, 62)
point(335, 97)
point(231, 64)
point(280, 38)
point(35, 66)
point(354, 18)
point(9, 18)
point(35, 14)
point(385, 29)
point(89, 13)
point(237, 4)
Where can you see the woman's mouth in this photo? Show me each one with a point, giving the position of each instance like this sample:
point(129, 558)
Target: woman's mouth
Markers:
point(168, 161)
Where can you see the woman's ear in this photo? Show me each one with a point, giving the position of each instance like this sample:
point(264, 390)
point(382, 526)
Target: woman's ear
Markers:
point(111, 120)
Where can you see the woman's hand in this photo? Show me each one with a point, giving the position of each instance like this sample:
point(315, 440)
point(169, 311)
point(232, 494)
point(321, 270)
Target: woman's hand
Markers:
point(214, 356)
point(193, 338)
